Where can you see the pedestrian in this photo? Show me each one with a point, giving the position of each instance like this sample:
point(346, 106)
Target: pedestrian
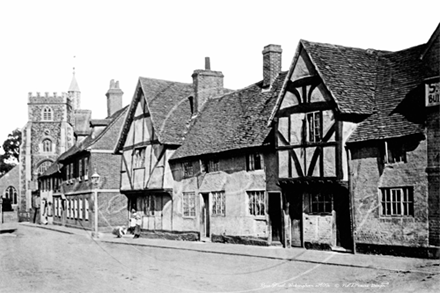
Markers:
point(132, 223)
point(137, 227)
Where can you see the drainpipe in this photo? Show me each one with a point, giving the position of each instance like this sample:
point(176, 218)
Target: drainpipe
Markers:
point(350, 194)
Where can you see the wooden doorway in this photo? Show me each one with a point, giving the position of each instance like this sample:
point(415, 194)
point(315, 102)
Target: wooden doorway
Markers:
point(296, 218)
point(275, 213)
point(205, 232)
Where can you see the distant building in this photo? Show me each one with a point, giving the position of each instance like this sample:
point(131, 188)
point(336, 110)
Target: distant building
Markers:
point(9, 188)
point(66, 187)
point(50, 131)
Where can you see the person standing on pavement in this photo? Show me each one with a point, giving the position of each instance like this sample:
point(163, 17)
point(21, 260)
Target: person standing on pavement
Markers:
point(137, 228)
point(132, 222)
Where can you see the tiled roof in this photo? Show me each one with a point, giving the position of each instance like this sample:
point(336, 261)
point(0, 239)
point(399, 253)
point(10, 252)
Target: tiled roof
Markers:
point(348, 73)
point(169, 109)
point(89, 141)
point(233, 121)
point(399, 98)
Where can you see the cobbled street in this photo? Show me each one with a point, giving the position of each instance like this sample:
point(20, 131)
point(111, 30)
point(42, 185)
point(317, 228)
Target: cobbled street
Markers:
point(38, 260)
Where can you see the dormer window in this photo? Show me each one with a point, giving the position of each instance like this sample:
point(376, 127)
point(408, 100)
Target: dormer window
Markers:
point(47, 114)
point(188, 169)
point(253, 162)
point(47, 145)
point(394, 152)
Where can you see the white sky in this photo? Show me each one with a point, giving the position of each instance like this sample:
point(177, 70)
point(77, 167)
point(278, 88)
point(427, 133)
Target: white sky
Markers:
point(123, 40)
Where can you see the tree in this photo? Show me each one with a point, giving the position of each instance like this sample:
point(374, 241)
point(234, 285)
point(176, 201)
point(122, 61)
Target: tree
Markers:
point(11, 148)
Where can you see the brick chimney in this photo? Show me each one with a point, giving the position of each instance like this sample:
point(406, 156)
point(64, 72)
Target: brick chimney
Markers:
point(271, 64)
point(207, 84)
point(114, 98)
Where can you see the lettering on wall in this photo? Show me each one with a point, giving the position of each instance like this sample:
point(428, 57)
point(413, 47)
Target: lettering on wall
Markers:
point(432, 94)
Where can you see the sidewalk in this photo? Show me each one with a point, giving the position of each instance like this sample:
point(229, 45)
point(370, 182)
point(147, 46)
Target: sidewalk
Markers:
point(391, 263)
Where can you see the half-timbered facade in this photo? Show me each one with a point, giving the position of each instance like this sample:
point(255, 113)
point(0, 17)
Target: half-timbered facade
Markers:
point(158, 117)
point(314, 116)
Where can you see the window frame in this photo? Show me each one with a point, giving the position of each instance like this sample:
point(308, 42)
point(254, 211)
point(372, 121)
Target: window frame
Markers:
point(313, 130)
point(320, 203)
point(47, 114)
point(253, 196)
point(189, 204)
point(395, 152)
point(396, 201)
point(218, 208)
point(47, 145)
point(188, 169)
point(139, 157)
point(252, 163)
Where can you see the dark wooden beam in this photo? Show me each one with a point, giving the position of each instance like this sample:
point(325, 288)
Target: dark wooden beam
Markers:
point(303, 108)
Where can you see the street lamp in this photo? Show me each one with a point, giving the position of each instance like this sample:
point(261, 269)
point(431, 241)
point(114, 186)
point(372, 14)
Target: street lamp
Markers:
point(95, 181)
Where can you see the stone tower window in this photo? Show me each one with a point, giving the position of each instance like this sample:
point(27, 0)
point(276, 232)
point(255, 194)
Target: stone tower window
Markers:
point(47, 146)
point(43, 167)
point(47, 114)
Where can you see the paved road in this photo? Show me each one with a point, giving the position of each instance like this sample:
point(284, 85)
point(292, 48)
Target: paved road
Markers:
point(37, 260)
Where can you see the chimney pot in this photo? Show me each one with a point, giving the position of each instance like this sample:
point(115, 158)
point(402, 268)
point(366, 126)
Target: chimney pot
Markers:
point(114, 98)
point(207, 63)
point(207, 84)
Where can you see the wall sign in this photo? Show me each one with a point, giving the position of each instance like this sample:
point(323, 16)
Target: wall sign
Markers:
point(432, 94)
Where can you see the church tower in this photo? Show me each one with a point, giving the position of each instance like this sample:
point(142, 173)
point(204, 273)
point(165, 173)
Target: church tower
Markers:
point(47, 134)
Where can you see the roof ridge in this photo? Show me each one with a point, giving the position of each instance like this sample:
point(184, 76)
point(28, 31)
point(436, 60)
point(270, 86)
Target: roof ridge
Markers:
point(164, 80)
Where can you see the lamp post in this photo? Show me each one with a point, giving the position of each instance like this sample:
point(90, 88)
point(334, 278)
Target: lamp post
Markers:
point(95, 182)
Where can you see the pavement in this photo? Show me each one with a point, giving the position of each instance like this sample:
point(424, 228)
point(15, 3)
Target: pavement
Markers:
point(381, 262)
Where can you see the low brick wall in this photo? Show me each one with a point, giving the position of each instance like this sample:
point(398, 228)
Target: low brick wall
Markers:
point(418, 252)
point(246, 240)
point(171, 235)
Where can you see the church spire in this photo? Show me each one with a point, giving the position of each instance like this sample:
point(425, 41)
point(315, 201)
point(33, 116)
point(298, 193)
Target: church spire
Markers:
point(74, 84)
point(74, 92)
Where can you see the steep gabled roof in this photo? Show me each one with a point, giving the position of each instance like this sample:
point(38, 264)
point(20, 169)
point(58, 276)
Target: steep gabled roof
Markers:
point(348, 73)
point(92, 140)
point(431, 41)
point(399, 98)
point(169, 109)
point(233, 121)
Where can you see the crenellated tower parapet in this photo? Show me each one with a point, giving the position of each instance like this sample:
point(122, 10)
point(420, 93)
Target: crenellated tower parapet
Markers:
point(47, 98)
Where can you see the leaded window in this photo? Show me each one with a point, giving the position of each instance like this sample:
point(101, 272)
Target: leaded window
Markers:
point(256, 203)
point(218, 203)
point(189, 204)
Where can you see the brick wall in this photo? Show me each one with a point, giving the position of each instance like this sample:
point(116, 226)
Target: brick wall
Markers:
point(113, 210)
point(108, 167)
point(433, 170)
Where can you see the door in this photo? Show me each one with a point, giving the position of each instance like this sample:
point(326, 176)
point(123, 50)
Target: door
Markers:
point(343, 221)
point(295, 212)
point(275, 215)
point(204, 216)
